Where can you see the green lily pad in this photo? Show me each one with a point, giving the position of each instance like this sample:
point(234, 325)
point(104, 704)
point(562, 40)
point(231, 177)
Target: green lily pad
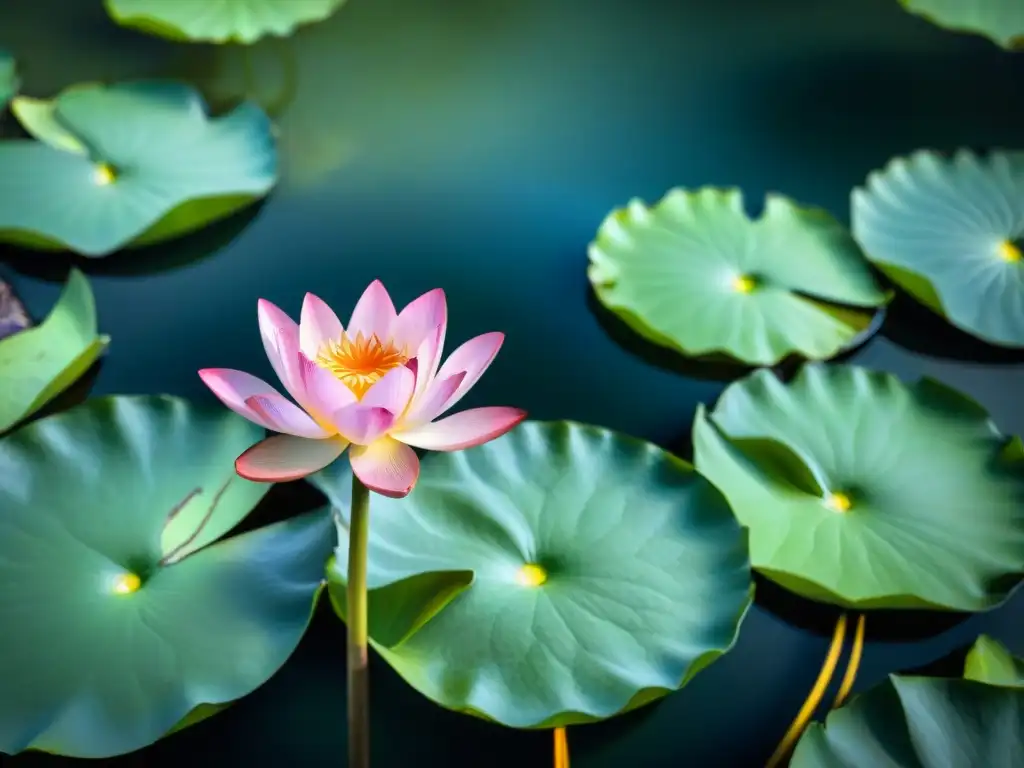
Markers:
point(919, 722)
point(647, 576)
point(8, 78)
point(999, 20)
point(864, 492)
point(128, 165)
point(37, 364)
point(989, 662)
point(693, 273)
point(91, 668)
point(221, 21)
point(950, 231)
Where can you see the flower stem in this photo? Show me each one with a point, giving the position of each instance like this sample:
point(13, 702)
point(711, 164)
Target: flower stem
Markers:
point(561, 748)
point(358, 657)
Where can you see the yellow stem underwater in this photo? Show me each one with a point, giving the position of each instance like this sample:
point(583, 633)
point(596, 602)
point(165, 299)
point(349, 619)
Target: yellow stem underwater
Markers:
point(853, 665)
point(813, 699)
point(561, 748)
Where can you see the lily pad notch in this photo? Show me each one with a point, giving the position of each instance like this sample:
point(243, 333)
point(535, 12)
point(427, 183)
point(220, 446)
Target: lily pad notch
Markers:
point(950, 232)
point(222, 21)
point(112, 533)
point(40, 362)
point(128, 165)
point(844, 466)
point(559, 574)
point(695, 274)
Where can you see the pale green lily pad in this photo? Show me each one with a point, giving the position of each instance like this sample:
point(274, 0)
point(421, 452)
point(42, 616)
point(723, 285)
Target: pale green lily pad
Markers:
point(990, 662)
point(950, 231)
point(155, 166)
point(919, 722)
point(220, 21)
point(999, 20)
point(91, 669)
point(934, 503)
point(8, 78)
point(693, 273)
point(37, 364)
point(647, 575)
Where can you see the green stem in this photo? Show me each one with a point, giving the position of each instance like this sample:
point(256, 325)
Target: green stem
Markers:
point(358, 659)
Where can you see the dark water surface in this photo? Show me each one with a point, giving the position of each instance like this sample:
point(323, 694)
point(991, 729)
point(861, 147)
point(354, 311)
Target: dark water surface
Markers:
point(476, 145)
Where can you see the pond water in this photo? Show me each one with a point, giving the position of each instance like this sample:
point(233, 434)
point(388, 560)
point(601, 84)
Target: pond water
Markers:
point(476, 145)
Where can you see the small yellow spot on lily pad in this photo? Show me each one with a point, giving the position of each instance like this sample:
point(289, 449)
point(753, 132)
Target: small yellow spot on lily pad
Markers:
point(103, 175)
point(744, 284)
point(1010, 251)
point(127, 583)
point(838, 502)
point(531, 575)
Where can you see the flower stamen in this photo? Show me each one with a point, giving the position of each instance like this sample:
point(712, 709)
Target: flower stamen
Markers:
point(360, 362)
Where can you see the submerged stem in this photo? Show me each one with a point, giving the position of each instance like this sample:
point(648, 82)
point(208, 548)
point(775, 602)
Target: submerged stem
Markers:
point(358, 657)
point(561, 748)
point(813, 699)
point(853, 665)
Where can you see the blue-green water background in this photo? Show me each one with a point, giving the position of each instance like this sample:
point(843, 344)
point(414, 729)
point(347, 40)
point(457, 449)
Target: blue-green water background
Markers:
point(476, 145)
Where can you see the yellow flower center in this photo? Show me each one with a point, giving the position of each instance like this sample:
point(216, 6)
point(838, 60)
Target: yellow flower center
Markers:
point(127, 583)
point(361, 361)
point(1010, 251)
point(531, 575)
point(839, 502)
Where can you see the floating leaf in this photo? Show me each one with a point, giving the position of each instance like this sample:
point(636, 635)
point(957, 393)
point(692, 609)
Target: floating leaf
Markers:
point(919, 722)
point(13, 316)
point(221, 21)
point(1000, 20)
point(8, 78)
point(129, 164)
point(919, 506)
point(951, 233)
point(989, 662)
point(559, 574)
point(115, 631)
point(39, 363)
point(695, 274)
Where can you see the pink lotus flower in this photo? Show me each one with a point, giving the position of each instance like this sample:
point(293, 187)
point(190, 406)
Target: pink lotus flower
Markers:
point(375, 386)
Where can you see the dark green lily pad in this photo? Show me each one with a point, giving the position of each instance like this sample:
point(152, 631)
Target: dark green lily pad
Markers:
point(37, 364)
point(950, 231)
point(647, 577)
point(91, 668)
point(999, 20)
point(919, 722)
point(693, 273)
point(989, 662)
point(8, 78)
point(128, 165)
point(221, 21)
point(864, 492)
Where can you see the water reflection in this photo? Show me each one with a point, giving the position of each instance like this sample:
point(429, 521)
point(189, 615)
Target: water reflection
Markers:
point(477, 146)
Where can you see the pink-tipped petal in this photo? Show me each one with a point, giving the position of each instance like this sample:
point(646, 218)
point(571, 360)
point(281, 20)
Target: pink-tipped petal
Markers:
point(428, 407)
point(325, 392)
point(463, 430)
point(259, 402)
point(393, 391)
point(419, 318)
point(281, 342)
point(317, 325)
point(428, 358)
point(374, 313)
point(362, 424)
point(386, 466)
point(473, 358)
point(282, 458)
